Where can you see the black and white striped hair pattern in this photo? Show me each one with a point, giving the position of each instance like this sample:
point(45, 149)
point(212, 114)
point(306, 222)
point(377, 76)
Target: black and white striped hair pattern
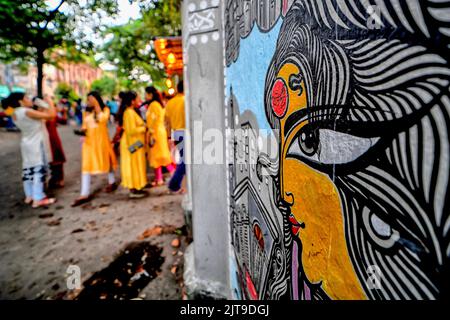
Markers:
point(385, 89)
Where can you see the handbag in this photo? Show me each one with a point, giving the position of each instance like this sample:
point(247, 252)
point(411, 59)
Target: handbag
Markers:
point(152, 142)
point(135, 146)
point(79, 132)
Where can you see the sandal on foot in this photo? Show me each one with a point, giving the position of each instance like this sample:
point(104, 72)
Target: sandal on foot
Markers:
point(179, 191)
point(111, 187)
point(28, 201)
point(138, 194)
point(157, 183)
point(43, 203)
point(80, 201)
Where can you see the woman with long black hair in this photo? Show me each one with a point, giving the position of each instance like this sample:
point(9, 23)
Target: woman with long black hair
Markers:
point(133, 166)
point(33, 145)
point(97, 155)
point(58, 158)
point(159, 153)
point(118, 119)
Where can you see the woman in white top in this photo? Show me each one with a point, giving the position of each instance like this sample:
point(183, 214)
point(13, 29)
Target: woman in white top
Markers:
point(33, 146)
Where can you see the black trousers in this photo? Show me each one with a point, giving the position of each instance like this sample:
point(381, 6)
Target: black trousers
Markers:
point(57, 173)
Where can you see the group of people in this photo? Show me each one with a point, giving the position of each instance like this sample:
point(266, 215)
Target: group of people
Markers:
point(146, 133)
point(31, 116)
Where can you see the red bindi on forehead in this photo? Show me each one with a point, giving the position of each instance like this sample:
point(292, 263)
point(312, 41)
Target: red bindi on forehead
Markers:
point(279, 98)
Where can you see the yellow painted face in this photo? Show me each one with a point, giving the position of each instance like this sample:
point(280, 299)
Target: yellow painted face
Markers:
point(315, 203)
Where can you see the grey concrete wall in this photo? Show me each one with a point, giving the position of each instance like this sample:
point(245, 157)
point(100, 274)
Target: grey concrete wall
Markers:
point(203, 55)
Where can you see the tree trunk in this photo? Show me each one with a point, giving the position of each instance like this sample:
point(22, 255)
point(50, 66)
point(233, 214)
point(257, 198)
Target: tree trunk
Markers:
point(40, 71)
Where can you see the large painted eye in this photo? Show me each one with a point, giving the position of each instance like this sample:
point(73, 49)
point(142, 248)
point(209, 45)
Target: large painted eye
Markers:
point(309, 141)
point(325, 146)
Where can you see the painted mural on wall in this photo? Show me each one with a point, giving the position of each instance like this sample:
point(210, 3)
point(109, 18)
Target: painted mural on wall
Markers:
point(355, 202)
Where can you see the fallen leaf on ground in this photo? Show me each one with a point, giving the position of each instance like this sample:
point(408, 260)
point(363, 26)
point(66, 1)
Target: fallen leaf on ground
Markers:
point(73, 294)
point(140, 269)
point(45, 215)
point(175, 243)
point(103, 210)
point(91, 225)
point(88, 207)
point(55, 222)
point(174, 269)
point(157, 231)
point(117, 283)
point(78, 230)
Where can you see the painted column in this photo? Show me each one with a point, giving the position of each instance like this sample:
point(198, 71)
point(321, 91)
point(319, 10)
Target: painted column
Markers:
point(204, 89)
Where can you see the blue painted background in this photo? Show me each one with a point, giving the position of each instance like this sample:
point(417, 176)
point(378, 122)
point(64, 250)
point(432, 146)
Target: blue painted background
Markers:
point(248, 74)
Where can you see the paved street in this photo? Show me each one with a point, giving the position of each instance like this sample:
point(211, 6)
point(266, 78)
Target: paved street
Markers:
point(38, 245)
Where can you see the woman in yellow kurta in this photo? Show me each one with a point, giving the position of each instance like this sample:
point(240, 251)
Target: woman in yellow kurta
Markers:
point(97, 155)
point(132, 164)
point(159, 153)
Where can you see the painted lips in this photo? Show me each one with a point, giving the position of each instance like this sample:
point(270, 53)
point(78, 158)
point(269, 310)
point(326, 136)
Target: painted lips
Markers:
point(295, 225)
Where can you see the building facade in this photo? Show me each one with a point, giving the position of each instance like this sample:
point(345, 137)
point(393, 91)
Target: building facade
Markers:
point(78, 75)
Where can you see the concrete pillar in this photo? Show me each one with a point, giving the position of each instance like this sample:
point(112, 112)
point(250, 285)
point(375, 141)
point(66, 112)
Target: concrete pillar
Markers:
point(207, 259)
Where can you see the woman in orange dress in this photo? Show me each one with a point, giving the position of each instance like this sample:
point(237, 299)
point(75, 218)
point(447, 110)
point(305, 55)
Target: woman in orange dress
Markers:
point(97, 155)
point(159, 153)
point(133, 165)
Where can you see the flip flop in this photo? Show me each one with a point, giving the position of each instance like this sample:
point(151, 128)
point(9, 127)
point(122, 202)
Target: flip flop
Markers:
point(157, 183)
point(111, 187)
point(80, 201)
point(43, 203)
point(180, 191)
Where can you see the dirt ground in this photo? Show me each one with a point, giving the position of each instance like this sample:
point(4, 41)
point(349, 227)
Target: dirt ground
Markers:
point(37, 246)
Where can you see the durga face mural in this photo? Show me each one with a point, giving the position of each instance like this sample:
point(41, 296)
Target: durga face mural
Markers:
point(361, 180)
point(315, 210)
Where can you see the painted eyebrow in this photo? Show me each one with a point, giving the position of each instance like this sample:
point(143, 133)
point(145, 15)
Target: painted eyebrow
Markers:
point(295, 118)
point(332, 120)
point(325, 114)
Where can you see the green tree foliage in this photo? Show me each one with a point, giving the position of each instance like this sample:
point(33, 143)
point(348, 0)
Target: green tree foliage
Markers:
point(107, 86)
point(130, 47)
point(30, 29)
point(162, 18)
point(64, 90)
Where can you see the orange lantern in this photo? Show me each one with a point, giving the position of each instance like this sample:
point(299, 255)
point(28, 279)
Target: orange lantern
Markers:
point(170, 52)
